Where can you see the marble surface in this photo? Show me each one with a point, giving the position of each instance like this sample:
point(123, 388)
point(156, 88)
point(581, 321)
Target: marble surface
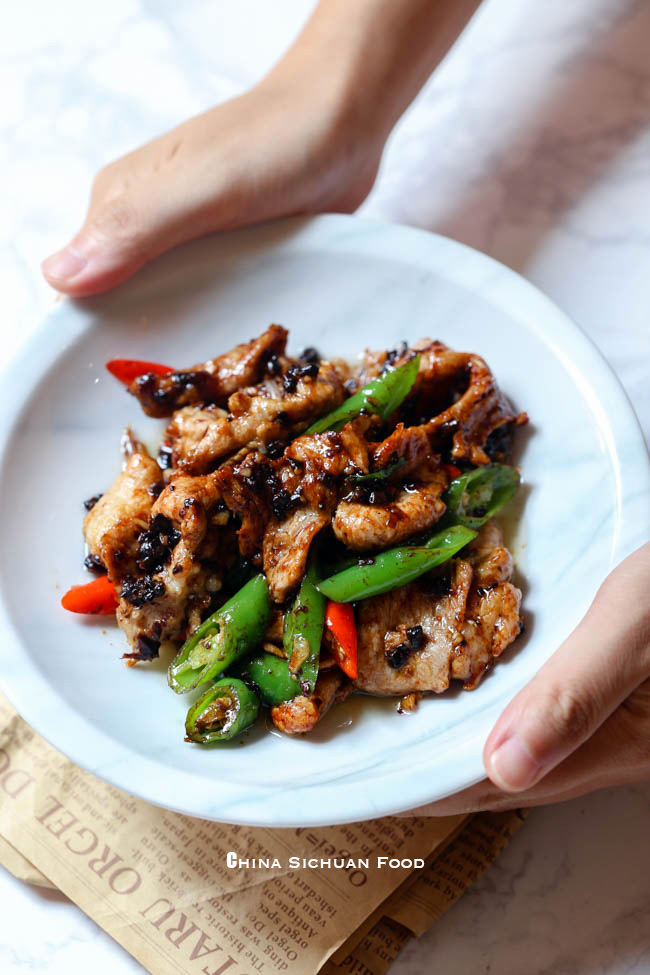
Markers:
point(532, 143)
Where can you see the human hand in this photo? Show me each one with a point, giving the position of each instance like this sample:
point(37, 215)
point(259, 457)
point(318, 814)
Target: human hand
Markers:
point(277, 150)
point(583, 723)
point(307, 139)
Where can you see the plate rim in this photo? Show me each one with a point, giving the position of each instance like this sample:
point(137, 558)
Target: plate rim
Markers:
point(17, 683)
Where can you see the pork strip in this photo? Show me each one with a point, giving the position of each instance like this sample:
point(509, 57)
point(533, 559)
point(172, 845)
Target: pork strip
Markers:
point(112, 526)
point(212, 381)
point(419, 637)
point(181, 564)
point(187, 428)
point(258, 415)
point(286, 549)
point(480, 409)
point(302, 714)
point(490, 559)
point(455, 398)
point(416, 507)
point(492, 623)
point(388, 623)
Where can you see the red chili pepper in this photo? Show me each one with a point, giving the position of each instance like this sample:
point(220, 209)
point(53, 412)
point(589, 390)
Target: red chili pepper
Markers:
point(452, 470)
point(126, 370)
point(339, 620)
point(97, 596)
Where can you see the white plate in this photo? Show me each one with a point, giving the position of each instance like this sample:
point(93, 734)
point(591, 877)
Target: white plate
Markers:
point(340, 284)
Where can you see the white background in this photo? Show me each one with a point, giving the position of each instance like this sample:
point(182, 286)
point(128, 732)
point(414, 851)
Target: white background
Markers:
point(531, 143)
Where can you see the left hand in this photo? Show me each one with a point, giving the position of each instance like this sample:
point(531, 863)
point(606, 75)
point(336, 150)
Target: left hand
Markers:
point(583, 722)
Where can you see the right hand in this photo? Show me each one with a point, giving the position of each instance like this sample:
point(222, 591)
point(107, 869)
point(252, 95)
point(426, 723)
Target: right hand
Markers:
point(278, 150)
point(308, 138)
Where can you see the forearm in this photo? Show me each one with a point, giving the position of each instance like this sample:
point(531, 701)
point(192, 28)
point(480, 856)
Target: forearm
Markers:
point(373, 56)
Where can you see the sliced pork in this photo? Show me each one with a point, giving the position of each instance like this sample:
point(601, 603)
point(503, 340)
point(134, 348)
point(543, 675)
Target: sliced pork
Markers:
point(445, 626)
point(271, 412)
point(212, 381)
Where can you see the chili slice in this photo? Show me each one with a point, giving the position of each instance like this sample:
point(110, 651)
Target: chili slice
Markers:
point(339, 620)
point(126, 370)
point(97, 597)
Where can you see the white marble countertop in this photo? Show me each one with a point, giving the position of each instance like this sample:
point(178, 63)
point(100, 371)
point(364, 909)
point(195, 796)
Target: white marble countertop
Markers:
point(532, 143)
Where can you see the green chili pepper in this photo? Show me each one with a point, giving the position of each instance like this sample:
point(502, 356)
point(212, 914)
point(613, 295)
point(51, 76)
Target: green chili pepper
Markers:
point(395, 567)
point(303, 631)
point(476, 496)
point(224, 711)
point(382, 396)
point(382, 475)
point(234, 630)
point(271, 678)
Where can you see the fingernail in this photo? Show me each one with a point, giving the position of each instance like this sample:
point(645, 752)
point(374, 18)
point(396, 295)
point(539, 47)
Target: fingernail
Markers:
point(511, 766)
point(64, 265)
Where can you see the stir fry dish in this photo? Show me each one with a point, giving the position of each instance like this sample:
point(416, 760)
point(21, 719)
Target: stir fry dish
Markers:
point(309, 529)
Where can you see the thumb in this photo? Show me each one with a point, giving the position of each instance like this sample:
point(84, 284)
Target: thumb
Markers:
point(160, 195)
point(110, 247)
point(135, 208)
point(605, 658)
